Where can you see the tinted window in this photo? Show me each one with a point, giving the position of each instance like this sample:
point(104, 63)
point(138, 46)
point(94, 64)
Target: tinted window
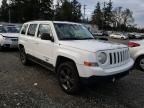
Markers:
point(32, 29)
point(24, 28)
point(2, 29)
point(72, 32)
point(12, 29)
point(44, 28)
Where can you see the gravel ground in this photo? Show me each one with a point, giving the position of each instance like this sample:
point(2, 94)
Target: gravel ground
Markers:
point(35, 87)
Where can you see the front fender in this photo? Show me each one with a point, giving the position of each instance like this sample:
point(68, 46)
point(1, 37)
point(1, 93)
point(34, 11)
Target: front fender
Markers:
point(68, 54)
point(78, 56)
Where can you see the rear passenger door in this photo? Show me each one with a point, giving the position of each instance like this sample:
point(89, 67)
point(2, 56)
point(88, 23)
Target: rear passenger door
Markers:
point(23, 38)
point(31, 44)
point(45, 47)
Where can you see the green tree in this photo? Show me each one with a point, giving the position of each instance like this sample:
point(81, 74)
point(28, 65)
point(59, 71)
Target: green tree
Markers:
point(97, 16)
point(76, 11)
point(26, 10)
point(4, 11)
point(64, 12)
point(68, 11)
point(107, 14)
point(45, 7)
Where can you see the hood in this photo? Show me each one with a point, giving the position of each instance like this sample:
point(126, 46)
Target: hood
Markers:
point(10, 35)
point(92, 45)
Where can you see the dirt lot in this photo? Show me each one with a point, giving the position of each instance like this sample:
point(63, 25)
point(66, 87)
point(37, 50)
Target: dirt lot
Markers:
point(36, 87)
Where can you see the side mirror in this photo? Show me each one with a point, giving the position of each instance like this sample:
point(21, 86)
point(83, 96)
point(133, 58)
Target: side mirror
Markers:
point(46, 36)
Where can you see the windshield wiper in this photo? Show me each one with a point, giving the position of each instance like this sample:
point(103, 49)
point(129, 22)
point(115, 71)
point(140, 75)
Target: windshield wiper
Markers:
point(69, 39)
point(86, 38)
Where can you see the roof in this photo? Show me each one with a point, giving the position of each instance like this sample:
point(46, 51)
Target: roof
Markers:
point(66, 22)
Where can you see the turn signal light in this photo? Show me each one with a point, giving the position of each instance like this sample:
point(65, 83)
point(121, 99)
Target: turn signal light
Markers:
point(90, 64)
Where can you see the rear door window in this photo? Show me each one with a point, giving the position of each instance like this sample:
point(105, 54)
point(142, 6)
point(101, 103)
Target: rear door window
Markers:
point(24, 28)
point(32, 29)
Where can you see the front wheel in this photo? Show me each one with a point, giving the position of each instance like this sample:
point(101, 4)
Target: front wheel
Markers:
point(1, 48)
point(23, 57)
point(122, 38)
point(68, 77)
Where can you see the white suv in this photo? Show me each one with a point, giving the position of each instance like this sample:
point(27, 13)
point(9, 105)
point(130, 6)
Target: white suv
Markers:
point(71, 51)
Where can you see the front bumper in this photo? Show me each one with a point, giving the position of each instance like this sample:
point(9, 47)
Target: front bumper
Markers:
point(93, 79)
point(9, 44)
point(86, 72)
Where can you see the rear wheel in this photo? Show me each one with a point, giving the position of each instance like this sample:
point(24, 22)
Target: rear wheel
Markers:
point(23, 57)
point(68, 77)
point(140, 63)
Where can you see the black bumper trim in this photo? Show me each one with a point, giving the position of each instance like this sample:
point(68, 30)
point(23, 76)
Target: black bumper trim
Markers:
point(104, 78)
point(6, 46)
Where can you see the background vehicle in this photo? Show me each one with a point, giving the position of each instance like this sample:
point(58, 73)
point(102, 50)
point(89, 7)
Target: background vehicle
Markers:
point(18, 27)
point(142, 35)
point(74, 54)
point(97, 33)
point(138, 36)
point(8, 37)
point(100, 33)
point(131, 36)
point(118, 36)
point(137, 52)
point(105, 33)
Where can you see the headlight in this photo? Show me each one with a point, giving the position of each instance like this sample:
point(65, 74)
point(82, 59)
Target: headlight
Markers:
point(102, 57)
point(5, 38)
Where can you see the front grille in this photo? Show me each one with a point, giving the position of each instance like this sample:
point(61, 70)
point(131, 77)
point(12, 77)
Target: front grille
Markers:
point(14, 39)
point(118, 56)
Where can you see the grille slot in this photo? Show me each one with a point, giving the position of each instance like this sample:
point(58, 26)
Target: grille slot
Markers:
point(118, 57)
point(115, 58)
point(110, 54)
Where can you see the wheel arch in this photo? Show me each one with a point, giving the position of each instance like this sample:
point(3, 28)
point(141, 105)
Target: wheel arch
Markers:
point(62, 59)
point(20, 46)
point(138, 57)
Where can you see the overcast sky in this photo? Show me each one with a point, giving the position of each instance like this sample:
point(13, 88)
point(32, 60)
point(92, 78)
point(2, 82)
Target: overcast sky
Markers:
point(137, 6)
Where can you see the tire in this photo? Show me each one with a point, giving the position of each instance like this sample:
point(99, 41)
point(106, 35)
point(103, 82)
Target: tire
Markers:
point(140, 63)
point(68, 78)
point(122, 38)
point(1, 48)
point(23, 57)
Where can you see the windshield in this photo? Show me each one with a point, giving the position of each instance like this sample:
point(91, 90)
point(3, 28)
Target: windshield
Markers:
point(12, 29)
point(72, 32)
point(2, 30)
